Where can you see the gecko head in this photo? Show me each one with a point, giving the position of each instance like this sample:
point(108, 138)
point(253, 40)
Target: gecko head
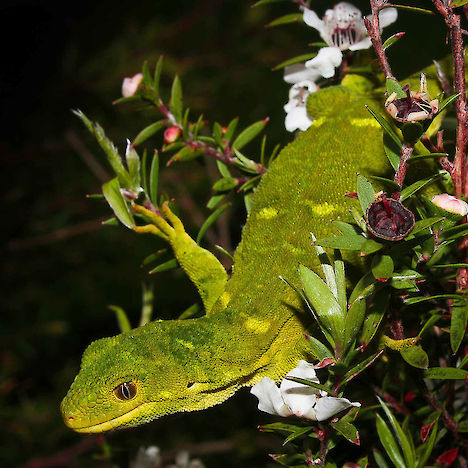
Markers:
point(125, 381)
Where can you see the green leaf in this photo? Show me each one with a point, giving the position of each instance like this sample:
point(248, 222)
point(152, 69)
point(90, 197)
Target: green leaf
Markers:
point(371, 246)
point(458, 324)
point(425, 223)
point(419, 157)
point(157, 75)
point(411, 8)
point(299, 432)
point(215, 200)
point(133, 164)
point(186, 154)
point(393, 186)
point(169, 265)
point(327, 268)
point(375, 314)
point(408, 452)
point(245, 163)
point(323, 302)
point(415, 356)
point(345, 228)
point(154, 179)
point(114, 197)
point(385, 125)
point(455, 232)
point(231, 128)
point(249, 134)
point(309, 383)
point(379, 459)
point(418, 185)
point(122, 319)
point(389, 443)
point(149, 131)
point(447, 102)
point(365, 192)
point(279, 426)
point(223, 169)
point(264, 2)
point(347, 430)
point(429, 323)
point(392, 85)
point(176, 99)
point(292, 61)
point(382, 266)
point(210, 220)
point(225, 252)
point(319, 350)
point(353, 321)
point(415, 300)
point(225, 184)
point(340, 279)
point(189, 312)
point(388, 43)
point(392, 150)
point(147, 79)
point(463, 426)
point(356, 370)
point(286, 19)
point(364, 287)
point(452, 373)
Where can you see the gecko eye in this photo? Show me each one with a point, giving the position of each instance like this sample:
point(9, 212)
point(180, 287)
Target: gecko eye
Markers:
point(125, 391)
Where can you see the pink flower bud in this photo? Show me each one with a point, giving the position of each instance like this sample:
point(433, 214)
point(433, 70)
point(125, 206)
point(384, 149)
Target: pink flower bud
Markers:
point(130, 85)
point(450, 203)
point(171, 134)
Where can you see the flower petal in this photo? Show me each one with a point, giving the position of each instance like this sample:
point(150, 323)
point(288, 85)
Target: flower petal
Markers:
point(298, 72)
point(299, 397)
point(269, 398)
point(327, 59)
point(327, 406)
point(363, 44)
point(311, 19)
point(297, 119)
point(387, 16)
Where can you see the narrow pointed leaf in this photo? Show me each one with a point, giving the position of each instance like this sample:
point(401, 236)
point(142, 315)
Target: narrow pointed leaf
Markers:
point(231, 128)
point(157, 75)
point(385, 125)
point(249, 134)
point(133, 164)
point(413, 188)
point(169, 265)
point(210, 220)
point(382, 266)
point(122, 319)
point(292, 61)
point(452, 373)
point(389, 443)
point(225, 184)
point(320, 351)
point(388, 43)
point(347, 430)
point(114, 197)
point(375, 315)
point(392, 150)
point(402, 439)
point(154, 178)
point(356, 370)
point(309, 383)
point(176, 99)
point(458, 324)
point(285, 19)
point(149, 131)
point(324, 303)
point(354, 319)
point(349, 242)
point(365, 192)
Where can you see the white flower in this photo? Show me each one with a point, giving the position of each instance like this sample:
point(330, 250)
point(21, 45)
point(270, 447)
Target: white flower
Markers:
point(325, 62)
point(296, 399)
point(450, 203)
point(130, 85)
point(298, 72)
point(342, 28)
point(296, 109)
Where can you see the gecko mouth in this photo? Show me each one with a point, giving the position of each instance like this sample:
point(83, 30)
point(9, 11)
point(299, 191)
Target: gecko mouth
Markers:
point(137, 415)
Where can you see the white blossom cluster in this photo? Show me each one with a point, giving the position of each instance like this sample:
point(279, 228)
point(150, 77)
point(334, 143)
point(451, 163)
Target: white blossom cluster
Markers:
point(342, 28)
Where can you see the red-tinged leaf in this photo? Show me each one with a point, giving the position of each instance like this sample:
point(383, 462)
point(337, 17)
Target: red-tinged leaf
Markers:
point(409, 397)
point(325, 363)
point(356, 370)
point(426, 430)
point(351, 195)
point(448, 457)
point(348, 431)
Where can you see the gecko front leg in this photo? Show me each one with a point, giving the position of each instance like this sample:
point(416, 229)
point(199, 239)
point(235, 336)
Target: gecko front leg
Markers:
point(202, 267)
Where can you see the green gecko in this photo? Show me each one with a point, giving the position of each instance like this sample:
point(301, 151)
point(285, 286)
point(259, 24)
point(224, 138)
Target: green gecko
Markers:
point(254, 322)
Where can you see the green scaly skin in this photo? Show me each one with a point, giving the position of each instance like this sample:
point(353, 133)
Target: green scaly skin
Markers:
point(255, 328)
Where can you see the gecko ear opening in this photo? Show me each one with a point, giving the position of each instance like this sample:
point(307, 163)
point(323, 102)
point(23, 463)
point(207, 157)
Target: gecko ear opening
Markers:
point(125, 391)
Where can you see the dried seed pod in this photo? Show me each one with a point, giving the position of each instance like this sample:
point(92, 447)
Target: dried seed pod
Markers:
point(389, 219)
point(415, 107)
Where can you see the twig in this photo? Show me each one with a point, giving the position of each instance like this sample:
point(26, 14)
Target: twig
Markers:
point(373, 29)
point(406, 152)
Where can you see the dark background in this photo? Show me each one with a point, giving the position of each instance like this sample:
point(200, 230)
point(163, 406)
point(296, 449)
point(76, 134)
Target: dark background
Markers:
point(60, 267)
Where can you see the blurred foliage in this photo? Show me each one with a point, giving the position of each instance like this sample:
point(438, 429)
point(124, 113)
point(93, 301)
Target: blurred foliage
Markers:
point(60, 268)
